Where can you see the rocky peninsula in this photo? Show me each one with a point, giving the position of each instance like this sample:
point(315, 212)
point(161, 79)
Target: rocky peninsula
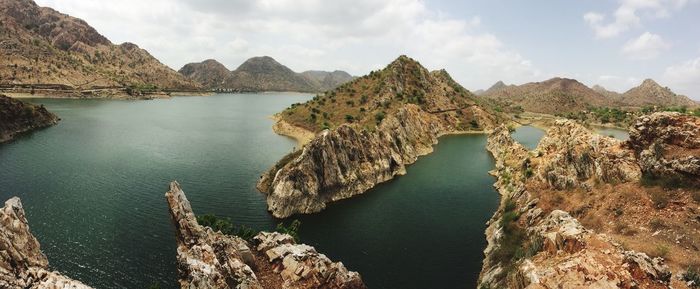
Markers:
point(581, 209)
point(22, 264)
point(367, 131)
point(208, 259)
point(17, 117)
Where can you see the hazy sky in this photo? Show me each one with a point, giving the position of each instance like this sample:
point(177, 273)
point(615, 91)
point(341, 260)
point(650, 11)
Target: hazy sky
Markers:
point(615, 43)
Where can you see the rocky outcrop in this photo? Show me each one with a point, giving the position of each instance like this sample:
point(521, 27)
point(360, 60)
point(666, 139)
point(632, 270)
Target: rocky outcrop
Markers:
point(402, 110)
point(667, 145)
point(529, 247)
point(17, 117)
point(345, 162)
point(22, 264)
point(576, 157)
point(208, 259)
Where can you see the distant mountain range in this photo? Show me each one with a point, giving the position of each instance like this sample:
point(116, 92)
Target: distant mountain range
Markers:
point(42, 46)
point(261, 74)
point(562, 95)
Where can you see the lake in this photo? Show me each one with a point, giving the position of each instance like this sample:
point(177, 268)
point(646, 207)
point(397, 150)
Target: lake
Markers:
point(93, 188)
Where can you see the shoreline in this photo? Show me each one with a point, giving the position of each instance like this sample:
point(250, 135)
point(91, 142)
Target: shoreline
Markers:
point(300, 135)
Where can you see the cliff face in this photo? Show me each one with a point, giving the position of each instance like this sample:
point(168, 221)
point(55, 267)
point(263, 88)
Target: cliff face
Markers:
point(533, 246)
point(345, 162)
point(208, 259)
point(22, 264)
point(17, 117)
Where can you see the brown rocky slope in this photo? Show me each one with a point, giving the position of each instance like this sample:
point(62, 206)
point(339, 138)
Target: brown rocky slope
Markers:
point(651, 93)
point(259, 74)
point(553, 96)
point(370, 129)
point(575, 211)
point(208, 259)
point(42, 47)
point(22, 264)
point(17, 117)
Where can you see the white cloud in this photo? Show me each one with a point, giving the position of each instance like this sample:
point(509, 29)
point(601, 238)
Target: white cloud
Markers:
point(684, 78)
point(646, 46)
point(617, 83)
point(627, 15)
point(354, 35)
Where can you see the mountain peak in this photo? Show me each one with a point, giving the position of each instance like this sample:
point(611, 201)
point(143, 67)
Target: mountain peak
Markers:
point(649, 82)
point(497, 85)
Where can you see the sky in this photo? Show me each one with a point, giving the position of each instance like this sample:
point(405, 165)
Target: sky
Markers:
point(613, 43)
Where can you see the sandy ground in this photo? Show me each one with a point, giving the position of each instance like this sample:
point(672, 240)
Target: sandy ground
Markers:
point(302, 136)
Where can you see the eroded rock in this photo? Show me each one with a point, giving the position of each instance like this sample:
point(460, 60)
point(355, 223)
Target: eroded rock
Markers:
point(208, 259)
point(22, 264)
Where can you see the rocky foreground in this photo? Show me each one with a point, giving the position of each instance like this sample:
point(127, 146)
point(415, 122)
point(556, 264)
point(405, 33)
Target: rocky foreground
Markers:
point(17, 117)
point(208, 259)
point(22, 264)
point(536, 238)
point(368, 131)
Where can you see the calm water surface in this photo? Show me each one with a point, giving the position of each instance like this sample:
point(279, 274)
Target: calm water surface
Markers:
point(93, 188)
point(528, 136)
point(613, 132)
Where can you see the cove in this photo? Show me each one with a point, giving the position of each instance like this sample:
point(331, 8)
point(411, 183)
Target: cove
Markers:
point(93, 190)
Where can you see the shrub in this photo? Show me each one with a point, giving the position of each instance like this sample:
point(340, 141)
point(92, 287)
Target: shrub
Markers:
point(225, 226)
point(660, 198)
point(349, 118)
point(379, 116)
point(657, 224)
point(292, 229)
point(474, 123)
point(662, 251)
point(696, 196)
point(693, 276)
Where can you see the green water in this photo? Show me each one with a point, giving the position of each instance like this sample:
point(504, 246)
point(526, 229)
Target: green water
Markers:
point(613, 132)
point(93, 190)
point(528, 136)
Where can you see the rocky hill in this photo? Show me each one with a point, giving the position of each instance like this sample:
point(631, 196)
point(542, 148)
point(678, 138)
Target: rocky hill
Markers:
point(325, 80)
point(368, 131)
point(607, 93)
point(17, 117)
point(261, 74)
point(589, 211)
point(650, 93)
point(209, 259)
point(554, 96)
point(209, 73)
point(40, 46)
point(22, 264)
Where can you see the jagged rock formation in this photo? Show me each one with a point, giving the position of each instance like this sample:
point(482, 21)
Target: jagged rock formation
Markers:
point(41, 47)
point(22, 264)
point(530, 246)
point(574, 157)
point(400, 113)
point(554, 96)
point(17, 117)
point(651, 93)
point(667, 145)
point(259, 74)
point(208, 259)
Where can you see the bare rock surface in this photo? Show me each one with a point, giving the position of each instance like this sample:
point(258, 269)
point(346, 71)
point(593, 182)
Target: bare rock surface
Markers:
point(667, 144)
point(208, 259)
point(22, 264)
